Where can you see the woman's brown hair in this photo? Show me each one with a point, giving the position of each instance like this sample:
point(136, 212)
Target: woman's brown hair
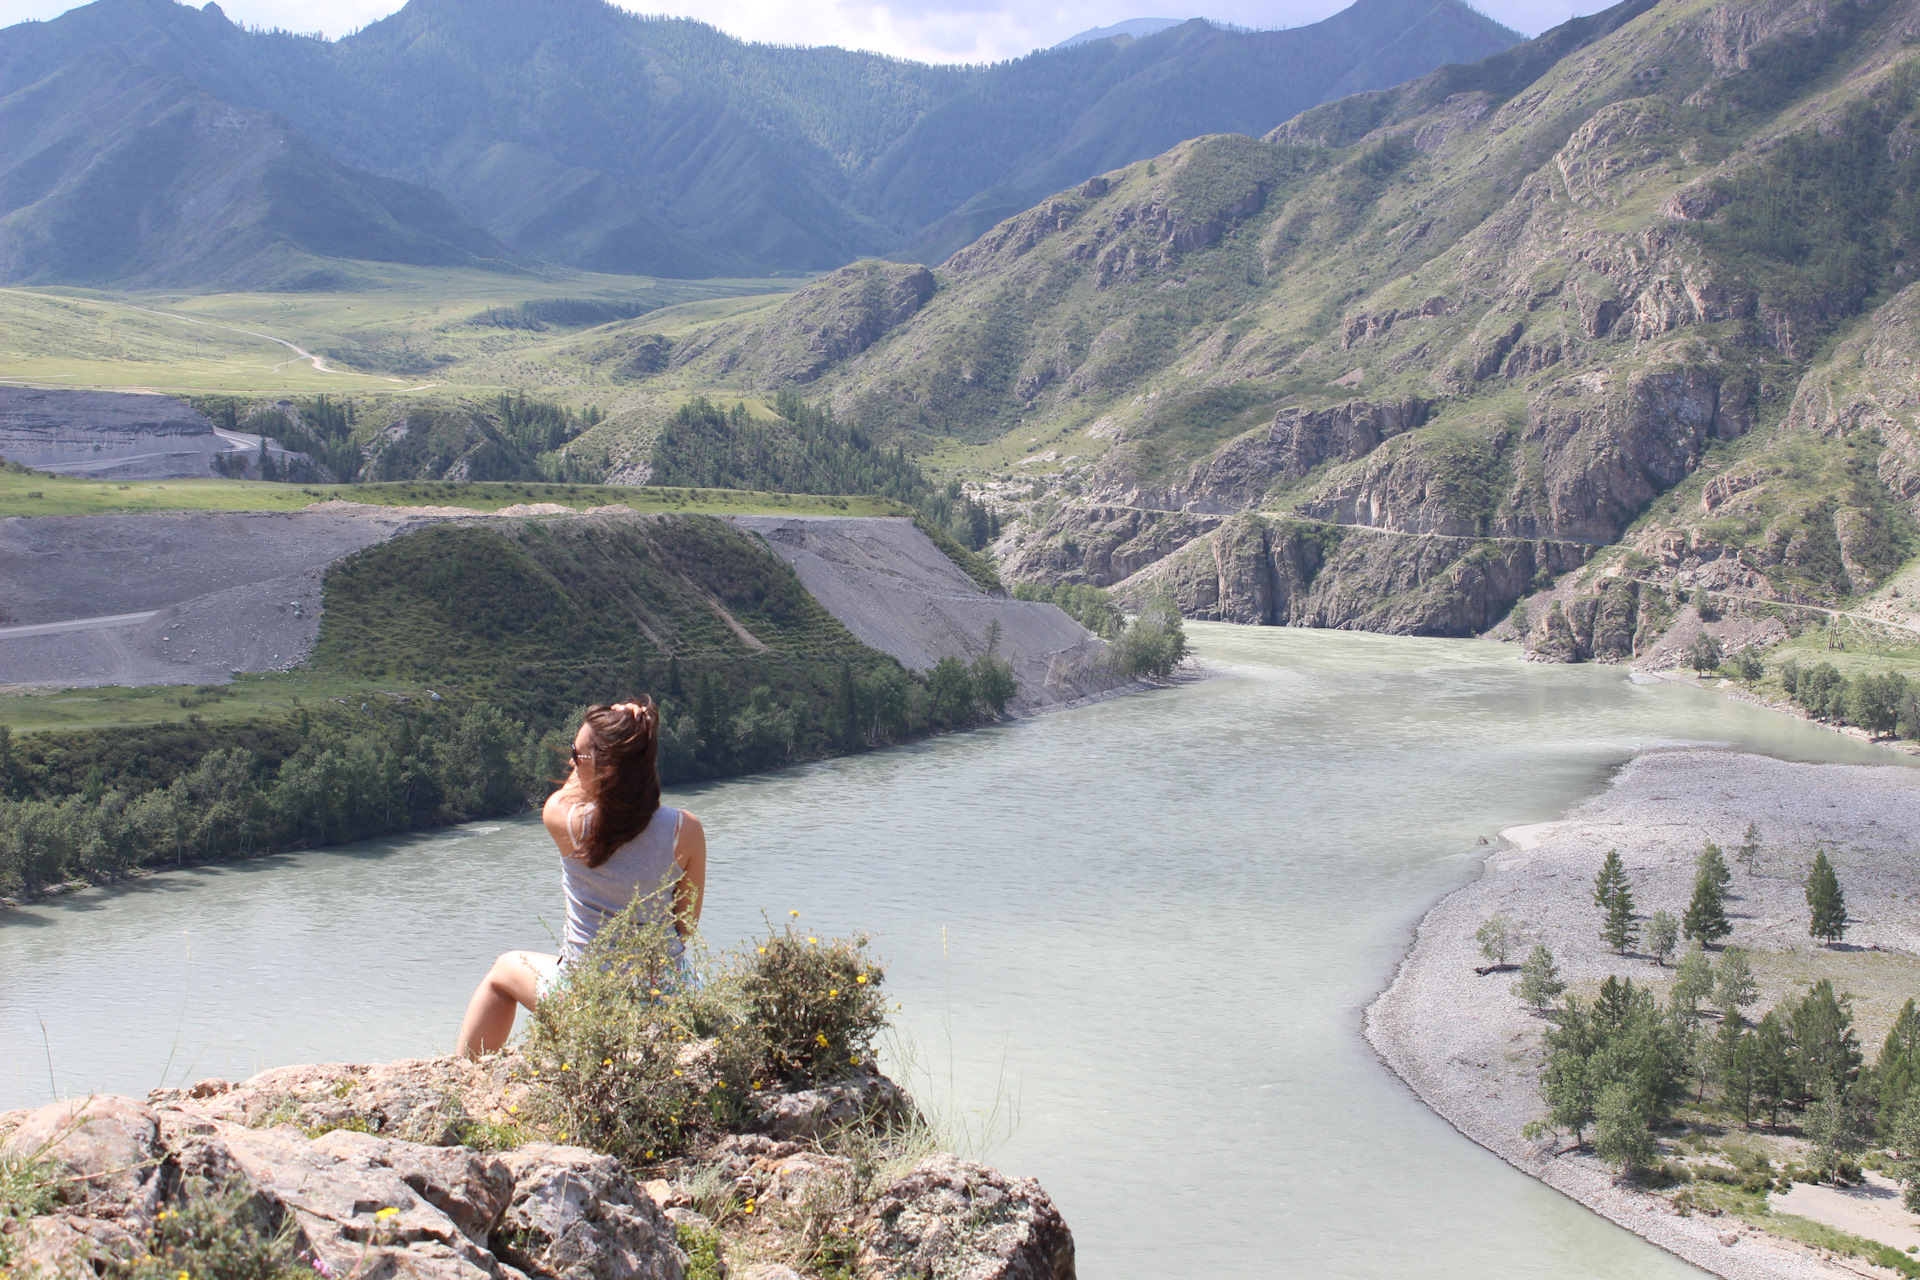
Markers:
point(625, 790)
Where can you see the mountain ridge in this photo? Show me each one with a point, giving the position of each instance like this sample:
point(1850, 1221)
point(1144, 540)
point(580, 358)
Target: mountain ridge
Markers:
point(577, 133)
point(1480, 338)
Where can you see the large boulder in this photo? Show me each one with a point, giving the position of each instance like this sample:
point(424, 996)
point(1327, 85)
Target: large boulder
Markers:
point(579, 1215)
point(354, 1215)
point(864, 1098)
point(105, 1148)
point(964, 1221)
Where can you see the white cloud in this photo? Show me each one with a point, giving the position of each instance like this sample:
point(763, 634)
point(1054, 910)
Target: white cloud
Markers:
point(933, 30)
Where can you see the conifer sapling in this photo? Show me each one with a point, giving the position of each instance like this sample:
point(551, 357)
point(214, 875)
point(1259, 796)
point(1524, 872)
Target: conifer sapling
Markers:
point(1706, 915)
point(1828, 904)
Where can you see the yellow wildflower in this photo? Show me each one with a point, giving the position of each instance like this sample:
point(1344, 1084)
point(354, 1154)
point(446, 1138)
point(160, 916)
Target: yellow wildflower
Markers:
point(832, 992)
point(821, 1038)
point(862, 979)
point(793, 913)
point(384, 1214)
point(811, 941)
point(515, 1107)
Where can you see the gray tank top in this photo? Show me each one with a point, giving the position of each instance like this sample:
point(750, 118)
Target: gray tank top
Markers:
point(643, 868)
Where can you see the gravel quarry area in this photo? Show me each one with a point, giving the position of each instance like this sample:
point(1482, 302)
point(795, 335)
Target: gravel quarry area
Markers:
point(108, 435)
point(893, 588)
point(192, 598)
point(1471, 1051)
point(187, 598)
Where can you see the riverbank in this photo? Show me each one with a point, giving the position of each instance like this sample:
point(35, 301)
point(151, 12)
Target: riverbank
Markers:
point(1469, 1049)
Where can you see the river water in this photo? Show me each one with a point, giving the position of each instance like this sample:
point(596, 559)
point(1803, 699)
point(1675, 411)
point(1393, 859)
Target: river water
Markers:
point(1131, 941)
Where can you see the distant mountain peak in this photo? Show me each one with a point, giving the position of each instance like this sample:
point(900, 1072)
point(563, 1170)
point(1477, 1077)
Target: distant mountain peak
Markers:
point(1138, 28)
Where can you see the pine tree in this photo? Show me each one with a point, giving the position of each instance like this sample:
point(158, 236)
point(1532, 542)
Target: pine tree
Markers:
point(1663, 933)
point(1539, 983)
point(1906, 1142)
point(1726, 1051)
point(1737, 1088)
point(1898, 1067)
point(1828, 903)
point(1826, 1049)
point(1620, 930)
point(1774, 1078)
point(1612, 879)
point(1712, 863)
point(1706, 916)
point(1749, 849)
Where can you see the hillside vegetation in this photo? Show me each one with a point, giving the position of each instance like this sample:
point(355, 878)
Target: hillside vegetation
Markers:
point(577, 133)
point(450, 664)
point(1420, 352)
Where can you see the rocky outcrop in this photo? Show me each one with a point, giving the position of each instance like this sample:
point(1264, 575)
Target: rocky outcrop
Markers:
point(313, 1150)
point(1240, 474)
point(1278, 572)
point(1010, 1228)
point(1100, 544)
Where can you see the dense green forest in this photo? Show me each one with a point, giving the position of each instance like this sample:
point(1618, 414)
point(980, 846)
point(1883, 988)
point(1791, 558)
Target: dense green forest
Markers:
point(750, 672)
point(511, 436)
point(807, 450)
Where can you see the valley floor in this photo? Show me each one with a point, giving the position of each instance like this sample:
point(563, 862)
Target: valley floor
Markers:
point(1470, 1050)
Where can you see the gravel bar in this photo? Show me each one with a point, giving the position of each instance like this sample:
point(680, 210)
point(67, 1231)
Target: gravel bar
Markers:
point(1467, 1047)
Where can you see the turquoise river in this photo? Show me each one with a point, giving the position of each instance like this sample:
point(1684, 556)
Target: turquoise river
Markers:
point(1132, 943)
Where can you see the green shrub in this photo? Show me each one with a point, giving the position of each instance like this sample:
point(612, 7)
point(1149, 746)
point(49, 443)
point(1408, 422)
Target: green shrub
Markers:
point(1090, 606)
point(210, 1234)
point(612, 1050)
point(703, 1254)
point(28, 1188)
point(1153, 643)
point(814, 1005)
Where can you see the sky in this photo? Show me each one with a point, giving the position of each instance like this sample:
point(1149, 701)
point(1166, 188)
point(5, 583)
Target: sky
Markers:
point(929, 30)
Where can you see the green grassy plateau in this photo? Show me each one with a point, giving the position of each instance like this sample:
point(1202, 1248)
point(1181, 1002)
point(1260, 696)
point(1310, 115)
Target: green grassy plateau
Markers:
point(34, 494)
point(406, 330)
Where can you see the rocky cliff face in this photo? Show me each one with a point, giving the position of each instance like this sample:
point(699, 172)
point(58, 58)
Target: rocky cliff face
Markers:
point(1268, 571)
point(367, 1168)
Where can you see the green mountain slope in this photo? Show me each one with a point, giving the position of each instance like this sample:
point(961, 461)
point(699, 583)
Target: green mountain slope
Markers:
point(1419, 351)
point(580, 133)
point(111, 171)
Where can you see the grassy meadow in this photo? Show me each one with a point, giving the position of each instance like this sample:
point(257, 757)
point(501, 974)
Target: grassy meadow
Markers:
point(405, 329)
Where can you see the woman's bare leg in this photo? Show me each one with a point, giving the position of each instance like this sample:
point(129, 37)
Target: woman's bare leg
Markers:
point(514, 980)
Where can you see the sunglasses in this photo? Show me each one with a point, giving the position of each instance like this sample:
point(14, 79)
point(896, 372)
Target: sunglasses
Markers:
point(576, 755)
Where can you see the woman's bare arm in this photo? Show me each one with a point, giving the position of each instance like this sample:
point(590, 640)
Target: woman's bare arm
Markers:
point(554, 814)
point(690, 851)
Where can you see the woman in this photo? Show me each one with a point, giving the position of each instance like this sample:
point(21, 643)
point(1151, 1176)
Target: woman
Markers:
point(617, 844)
